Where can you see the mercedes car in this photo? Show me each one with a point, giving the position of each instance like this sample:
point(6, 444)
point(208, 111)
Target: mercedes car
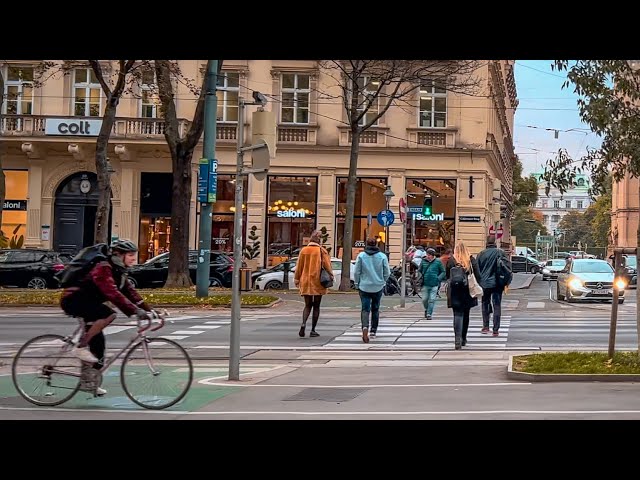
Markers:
point(589, 279)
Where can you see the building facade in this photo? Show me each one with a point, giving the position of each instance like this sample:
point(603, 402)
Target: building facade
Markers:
point(454, 147)
point(624, 213)
point(555, 206)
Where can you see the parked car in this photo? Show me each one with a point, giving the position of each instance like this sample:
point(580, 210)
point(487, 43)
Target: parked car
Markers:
point(520, 263)
point(552, 267)
point(277, 268)
point(273, 279)
point(30, 268)
point(154, 272)
point(588, 279)
point(630, 268)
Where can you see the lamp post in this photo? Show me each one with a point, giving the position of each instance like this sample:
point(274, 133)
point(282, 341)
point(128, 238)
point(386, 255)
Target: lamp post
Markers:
point(388, 195)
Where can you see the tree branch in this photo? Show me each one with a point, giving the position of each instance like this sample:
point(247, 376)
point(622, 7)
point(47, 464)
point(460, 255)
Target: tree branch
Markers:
point(97, 69)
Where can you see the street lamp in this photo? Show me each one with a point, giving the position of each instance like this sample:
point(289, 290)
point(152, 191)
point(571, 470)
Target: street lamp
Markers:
point(388, 195)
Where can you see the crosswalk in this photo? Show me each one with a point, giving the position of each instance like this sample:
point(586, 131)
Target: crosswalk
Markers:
point(404, 332)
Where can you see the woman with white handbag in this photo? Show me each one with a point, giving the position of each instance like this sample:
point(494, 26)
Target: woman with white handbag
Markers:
point(463, 290)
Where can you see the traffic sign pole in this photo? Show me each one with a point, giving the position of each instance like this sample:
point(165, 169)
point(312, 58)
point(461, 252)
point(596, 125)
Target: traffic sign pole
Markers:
point(403, 218)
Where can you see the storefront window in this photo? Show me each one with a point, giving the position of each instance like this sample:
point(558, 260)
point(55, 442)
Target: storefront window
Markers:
point(438, 230)
point(14, 212)
point(291, 213)
point(223, 213)
point(369, 200)
point(155, 214)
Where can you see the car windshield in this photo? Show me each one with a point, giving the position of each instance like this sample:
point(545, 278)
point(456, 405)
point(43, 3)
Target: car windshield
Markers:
point(592, 267)
point(158, 258)
point(557, 263)
point(632, 261)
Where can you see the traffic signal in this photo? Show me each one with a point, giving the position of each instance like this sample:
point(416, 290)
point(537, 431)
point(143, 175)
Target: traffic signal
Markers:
point(427, 209)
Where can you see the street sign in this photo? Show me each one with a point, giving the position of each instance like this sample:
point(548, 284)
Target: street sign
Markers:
point(213, 181)
point(403, 210)
point(469, 218)
point(492, 231)
point(203, 180)
point(385, 218)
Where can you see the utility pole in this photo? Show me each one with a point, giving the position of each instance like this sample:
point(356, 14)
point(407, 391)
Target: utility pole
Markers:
point(208, 174)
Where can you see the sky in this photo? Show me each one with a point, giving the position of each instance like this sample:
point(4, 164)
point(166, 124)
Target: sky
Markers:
point(544, 104)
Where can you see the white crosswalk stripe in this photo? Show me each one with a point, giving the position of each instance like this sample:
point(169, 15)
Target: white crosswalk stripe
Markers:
point(437, 333)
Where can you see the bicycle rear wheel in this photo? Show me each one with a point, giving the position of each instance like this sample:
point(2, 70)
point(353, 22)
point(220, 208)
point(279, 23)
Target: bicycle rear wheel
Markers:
point(156, 373)
point(45, 372)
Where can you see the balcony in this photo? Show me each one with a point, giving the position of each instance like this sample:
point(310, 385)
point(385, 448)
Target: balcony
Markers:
point(292, 134)
point(372, 137)
point(431, 137)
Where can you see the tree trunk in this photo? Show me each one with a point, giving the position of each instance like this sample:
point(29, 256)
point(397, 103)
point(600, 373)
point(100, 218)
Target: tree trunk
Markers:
point(637, 288)
point(352, 182)
point(104, 177)
point(2, 183)
point(180, 204)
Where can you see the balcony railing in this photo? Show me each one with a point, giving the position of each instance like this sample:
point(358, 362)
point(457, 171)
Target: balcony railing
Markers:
point(297, 134)
point(431, 137)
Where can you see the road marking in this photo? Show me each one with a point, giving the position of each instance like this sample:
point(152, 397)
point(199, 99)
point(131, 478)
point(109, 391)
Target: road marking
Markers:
point(174, 337)
point(207, 327)
point(187, 332)
point(535, 305)
point(385, 385)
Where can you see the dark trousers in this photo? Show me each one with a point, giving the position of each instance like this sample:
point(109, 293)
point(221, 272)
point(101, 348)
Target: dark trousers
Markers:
point(461, 324)
point(492, 297)
point(370, 304)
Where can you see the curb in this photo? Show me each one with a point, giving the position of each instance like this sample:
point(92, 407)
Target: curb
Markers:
point(159, 305)
point(570, 377)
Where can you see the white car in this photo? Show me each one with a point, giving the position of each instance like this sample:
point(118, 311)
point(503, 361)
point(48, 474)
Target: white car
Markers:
point(273, 280)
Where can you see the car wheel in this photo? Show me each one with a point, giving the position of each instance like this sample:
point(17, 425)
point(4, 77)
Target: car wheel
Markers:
point(620, 301)
point(559, 297)
point(352, 285)
point(534, 270)
point(569, 297)
point(133, 282)
point(37, 283)
point(273, 285)
point(214, 282)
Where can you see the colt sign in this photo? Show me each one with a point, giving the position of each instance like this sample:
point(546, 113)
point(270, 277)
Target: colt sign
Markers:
point(78, 127)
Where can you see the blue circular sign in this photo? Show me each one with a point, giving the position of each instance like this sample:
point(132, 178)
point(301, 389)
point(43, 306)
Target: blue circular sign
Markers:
point(385, 218)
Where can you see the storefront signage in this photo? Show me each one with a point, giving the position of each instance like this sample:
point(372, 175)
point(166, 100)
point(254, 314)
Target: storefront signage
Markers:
point(359, 244)
point(469, 218)
point(436, 217)
point(70, 126)
point(291, 213)
point(15, 205)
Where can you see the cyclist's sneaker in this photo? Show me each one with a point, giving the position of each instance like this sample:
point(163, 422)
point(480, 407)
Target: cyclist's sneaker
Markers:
point(84, 354)
point(100, 391)
point(91, 388)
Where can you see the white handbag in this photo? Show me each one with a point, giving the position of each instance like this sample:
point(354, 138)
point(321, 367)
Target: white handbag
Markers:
point(475, 290)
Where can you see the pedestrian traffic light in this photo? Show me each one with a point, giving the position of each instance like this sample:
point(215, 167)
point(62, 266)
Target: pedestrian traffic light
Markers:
point(427, 206)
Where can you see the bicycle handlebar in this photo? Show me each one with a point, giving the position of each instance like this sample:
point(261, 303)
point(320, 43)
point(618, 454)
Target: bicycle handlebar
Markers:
point(154, 315)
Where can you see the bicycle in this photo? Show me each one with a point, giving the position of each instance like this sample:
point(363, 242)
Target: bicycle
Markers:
point(46, 373)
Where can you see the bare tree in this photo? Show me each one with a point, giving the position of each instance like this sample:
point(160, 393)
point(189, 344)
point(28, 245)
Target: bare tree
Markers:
point(368, 88)
point(181, 148)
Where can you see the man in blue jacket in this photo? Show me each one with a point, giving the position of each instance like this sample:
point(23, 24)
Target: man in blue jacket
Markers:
point(433, 273)
point(370, 276)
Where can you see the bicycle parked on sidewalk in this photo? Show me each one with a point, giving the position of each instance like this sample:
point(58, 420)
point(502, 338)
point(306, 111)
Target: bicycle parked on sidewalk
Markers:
point(155, 373)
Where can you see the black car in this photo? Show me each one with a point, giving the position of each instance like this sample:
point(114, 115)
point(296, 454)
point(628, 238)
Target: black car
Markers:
point(520, 263)
point(629, 268)
point(30, 268)
point(153, 273)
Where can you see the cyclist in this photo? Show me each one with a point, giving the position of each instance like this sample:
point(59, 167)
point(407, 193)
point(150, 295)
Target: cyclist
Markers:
point(105, 282)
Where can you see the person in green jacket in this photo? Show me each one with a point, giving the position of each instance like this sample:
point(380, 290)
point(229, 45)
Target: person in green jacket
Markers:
point(433, 273)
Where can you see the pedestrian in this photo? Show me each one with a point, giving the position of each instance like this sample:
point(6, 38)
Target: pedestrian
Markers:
point(459, 267)
point(489, 261)
point(370, 276)
point(307, 278)
point(433, 273)
point(444, 258)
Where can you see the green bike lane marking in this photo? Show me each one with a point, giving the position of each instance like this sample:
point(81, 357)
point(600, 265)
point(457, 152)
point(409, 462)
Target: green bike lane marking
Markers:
point(198, 396)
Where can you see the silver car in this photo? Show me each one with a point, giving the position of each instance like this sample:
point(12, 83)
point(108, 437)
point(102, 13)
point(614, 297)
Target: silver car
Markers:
point(588, 279)
point(552, 267)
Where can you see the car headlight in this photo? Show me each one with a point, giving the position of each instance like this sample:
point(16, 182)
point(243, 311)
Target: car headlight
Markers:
point(259, 278)
point(576, 283)
point(546, 271)
point(620, 284)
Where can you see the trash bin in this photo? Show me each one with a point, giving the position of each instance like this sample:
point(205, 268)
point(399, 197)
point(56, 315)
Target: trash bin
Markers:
point(245, 279)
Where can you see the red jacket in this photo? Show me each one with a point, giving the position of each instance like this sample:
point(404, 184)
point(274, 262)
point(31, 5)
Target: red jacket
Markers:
point(100, 283)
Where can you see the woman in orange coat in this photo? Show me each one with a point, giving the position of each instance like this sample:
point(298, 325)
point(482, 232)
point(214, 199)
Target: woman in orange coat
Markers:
point(307, 279)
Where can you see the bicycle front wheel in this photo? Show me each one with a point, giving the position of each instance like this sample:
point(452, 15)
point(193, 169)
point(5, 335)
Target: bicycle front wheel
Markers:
point(45, 372)
point(156, 373)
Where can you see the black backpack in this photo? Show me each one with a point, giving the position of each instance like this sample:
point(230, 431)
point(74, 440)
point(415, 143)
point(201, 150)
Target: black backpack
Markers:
point(458, 277)
point(82, 264)
point(503, 273)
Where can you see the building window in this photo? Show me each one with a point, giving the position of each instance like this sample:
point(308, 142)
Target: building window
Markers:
point(150, 104)
point(545, 219)
point(369, 200)
point(556, 204)
point(14, 212)
point(567, 204)
point(579, 203)
point(86, 93)
point(438, 230)
point(368, 87)
point(555, 218)
point(295, 98)
point(18, 91)
point(581, 182)
point(224, 210)
point(228, 90)
point(433, 106)
point(291, 213)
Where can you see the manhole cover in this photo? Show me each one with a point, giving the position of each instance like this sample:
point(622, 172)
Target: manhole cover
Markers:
point(335, 395)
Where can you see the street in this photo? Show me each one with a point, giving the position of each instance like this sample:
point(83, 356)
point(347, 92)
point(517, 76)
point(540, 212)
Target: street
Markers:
point(410, 370)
